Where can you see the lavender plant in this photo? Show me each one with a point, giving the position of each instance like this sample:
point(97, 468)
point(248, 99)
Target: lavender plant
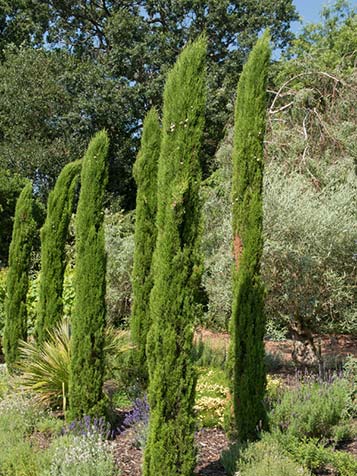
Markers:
point(138, 420)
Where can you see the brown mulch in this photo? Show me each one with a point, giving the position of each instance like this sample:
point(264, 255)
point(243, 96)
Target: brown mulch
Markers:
point(210, 444)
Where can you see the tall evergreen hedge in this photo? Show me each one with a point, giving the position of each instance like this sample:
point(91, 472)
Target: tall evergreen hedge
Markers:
point(248, 323)
point(54, 235)
point(145, 174)
point(88, 318)
point(177, 269)
point(17, 279)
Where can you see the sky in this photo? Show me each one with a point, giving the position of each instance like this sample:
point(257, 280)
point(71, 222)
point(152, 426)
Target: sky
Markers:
point(310, 10)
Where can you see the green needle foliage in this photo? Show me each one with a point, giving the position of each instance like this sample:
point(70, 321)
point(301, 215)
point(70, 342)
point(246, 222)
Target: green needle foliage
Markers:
point(88, 320)
point(145, 174)
point(53, 255)
point(177, 270)
point(248, 322)
point(17, 278)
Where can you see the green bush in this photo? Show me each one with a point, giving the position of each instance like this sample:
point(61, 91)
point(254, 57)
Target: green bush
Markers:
point(212, 402)
point(19, 453)
point(266, 458)
point(313, 409)
point(316, 456)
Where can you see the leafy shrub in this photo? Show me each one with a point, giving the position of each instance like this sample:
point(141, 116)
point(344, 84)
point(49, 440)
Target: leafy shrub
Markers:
point(313, 409)
point(19, 455)
point(119, 243)
point(266, 458)
point(316, 456)
point(212, 399)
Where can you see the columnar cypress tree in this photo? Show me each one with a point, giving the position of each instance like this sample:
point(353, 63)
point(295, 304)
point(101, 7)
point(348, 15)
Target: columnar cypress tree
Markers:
point(248, 323)
point(54, 234)
point(177, 270)
point(145, 174)
point(17, 278)
point(88, 319)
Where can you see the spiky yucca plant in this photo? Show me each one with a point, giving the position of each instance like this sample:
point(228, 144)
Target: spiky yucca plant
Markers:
point(45, 368)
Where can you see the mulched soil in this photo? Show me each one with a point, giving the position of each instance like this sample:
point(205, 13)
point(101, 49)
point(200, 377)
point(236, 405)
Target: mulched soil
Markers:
point(210, 444)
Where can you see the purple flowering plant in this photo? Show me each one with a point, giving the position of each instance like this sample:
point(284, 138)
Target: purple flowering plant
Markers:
point(137, 420)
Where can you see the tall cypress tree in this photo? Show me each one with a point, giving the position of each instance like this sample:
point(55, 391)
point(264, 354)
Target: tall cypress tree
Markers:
point(54, 235)
point(177, 270)
point(248, 323)
point(88, 319)
point(145, 174)
point(17, 278)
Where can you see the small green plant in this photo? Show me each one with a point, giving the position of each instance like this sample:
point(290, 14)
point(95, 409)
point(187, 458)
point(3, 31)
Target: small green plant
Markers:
point(267, 458)
point(212, 398)
point(19, 453)
point(313, 409)
point(316, 456)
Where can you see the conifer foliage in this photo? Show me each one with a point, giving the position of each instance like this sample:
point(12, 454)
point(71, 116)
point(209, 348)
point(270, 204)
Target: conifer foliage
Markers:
point(17, 278)
point(248, 324)
point(177, 270)
point(145, 174)
point(88, 319)
point(54, 235)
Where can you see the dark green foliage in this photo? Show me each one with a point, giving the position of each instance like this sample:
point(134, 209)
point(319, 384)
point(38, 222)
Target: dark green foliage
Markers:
point(17, 278)
point(248, 323)
point(106, 67)
point(53, 254)
point(10, 188)
point(145, 173)
point(177, 271)
point(88, 318)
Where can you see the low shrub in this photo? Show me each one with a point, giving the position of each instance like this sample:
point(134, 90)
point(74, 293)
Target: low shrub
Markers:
point(316, 456)
point(314, 409)
point(212, 399)
point(138, 421)
point(20, 454)
point(85, 455)
point(267, 458)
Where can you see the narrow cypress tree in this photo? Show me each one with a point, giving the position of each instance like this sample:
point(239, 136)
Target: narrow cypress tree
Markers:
point(177, 270)
point(248, 323)
point(17, 278)
point(145, 174)
point(54, 235)
point(88, 319)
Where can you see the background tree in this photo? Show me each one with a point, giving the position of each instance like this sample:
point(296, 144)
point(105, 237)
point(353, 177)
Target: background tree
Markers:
point(17, 278)
point(248, 320)
point(53, 252)
point(145, 174)
point(119, 52)
point(176, 265)
point(88, 318)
